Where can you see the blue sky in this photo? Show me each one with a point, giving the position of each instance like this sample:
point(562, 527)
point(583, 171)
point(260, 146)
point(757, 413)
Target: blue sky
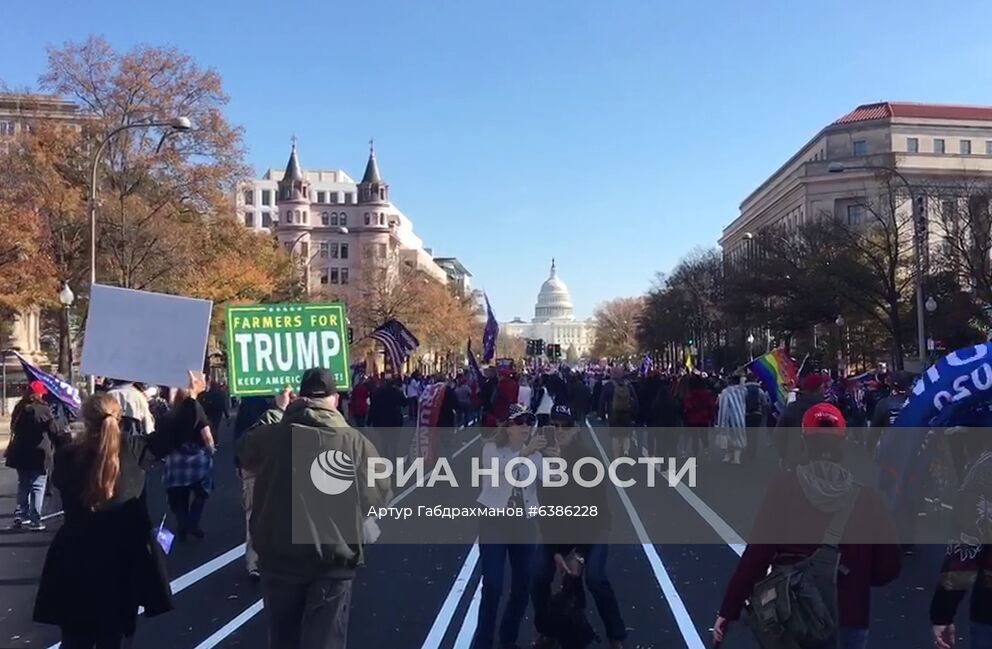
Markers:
point(615, 136)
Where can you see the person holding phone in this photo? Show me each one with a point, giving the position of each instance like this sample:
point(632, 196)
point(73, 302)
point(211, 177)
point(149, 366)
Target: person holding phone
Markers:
point(573, 544)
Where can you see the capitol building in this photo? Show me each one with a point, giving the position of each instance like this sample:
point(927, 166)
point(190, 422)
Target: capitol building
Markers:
point(554, 320)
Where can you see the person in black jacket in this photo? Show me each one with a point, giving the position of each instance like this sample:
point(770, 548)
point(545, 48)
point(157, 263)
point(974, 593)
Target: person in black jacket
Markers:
point(386, 416)
point(574, 545)
point(34, 434)
point(105, 561)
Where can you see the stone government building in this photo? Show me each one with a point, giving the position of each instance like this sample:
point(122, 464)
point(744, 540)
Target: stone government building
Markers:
point(554, 319)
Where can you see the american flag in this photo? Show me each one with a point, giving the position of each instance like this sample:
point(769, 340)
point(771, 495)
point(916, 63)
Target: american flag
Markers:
point(490, 334)
point(397, 340)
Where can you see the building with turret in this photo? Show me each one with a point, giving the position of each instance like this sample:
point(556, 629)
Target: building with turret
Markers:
point(554, 319)
point(343, 232)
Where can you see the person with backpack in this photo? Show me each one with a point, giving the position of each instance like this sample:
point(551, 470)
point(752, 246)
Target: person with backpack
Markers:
point(310, 542)
point(618, 405)
point(827, 584)
point(757, 407)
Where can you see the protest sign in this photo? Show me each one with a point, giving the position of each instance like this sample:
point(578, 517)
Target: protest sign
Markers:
point(141, 336)
point(270, 345)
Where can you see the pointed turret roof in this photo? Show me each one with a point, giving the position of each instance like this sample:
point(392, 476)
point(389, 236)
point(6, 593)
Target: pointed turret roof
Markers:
point(293, 170)
point(372, 167)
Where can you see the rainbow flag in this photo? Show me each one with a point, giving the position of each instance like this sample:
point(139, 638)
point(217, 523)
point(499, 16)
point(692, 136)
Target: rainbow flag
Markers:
point(777, 373)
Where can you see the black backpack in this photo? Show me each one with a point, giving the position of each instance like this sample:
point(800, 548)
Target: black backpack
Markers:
point(795, 606)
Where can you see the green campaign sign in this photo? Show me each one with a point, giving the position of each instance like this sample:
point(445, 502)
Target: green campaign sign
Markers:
point(270, 345)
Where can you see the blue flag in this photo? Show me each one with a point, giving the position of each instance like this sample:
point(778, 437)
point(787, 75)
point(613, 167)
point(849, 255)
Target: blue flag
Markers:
point(490, 334)
point(646, 365)
point(57, 388)
point(473, 365)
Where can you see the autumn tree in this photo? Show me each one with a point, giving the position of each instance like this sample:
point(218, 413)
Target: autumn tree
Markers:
point(615, 324)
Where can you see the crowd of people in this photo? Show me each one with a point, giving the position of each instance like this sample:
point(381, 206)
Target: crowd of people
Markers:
point(105, 560)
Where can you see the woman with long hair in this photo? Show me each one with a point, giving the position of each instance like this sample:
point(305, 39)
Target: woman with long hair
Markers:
point(104, 561)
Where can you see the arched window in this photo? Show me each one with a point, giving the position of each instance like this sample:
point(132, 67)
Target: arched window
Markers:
point(289, 216)
point(306, 216)
point(334, 218)
point(382, 218)
point(324, 218)
point(368, 218)
point(297, 216)
point(343, 219)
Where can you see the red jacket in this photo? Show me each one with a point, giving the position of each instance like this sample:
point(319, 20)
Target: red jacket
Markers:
point(699, 408)
point(358, 405)
point(787, 515)
point(506, 395)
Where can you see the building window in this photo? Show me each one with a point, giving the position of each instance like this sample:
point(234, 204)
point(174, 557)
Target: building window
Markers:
point(382, 218)
point(334, 251)
point(323, 250)
point(250, 219)
point(266, 220)
point(334, 218)
point(289, 216)
point(7, 128)
point(913, 144)
point(344, 251)
point(249, 197)
point(305, 249)
point(344, 275)
point(368, 219)
point(965, 147)
point(323, 276)
point(306, 216)
point(334, 276)
point(333, 196)
point(267, 197)
point(938, 145)
point(859, 147)
point(321, 196)
point(324, 218)
point(854, 214)
point(344, 219)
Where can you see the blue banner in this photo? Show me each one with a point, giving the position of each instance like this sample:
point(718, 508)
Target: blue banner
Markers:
point(60, 390)
point(490, 334)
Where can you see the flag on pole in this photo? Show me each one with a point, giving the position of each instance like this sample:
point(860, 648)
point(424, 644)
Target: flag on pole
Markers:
point(646, 365)
point(688, 361)
point(59, 389)
point(473, 364)
point(398, 341)
point(490, 334)
point(777, 374)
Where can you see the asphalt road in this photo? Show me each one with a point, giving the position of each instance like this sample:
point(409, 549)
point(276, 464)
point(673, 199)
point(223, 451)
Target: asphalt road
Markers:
point(425, 597)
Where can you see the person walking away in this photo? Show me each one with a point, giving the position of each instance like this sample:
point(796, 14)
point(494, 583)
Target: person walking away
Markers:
point(358, 405)
point(618, 404)
point(788, 439)
point(34, 435)
point(136, 416)
point(214, 402)
point(306, 586)
point(731, 421)
point(819, 500)
point(887, 408)
point(507, 394)
point(578, 544)
point(386, 417)
point(542, 401)
point(414, 388)
point(252, 412)
point(579, 397)
point(757, 407)
point(502, 538)
point(463, 394)
point(665, 420)
point(105, 561)
point(968, 560)
point(699, 408)
point(188, 474)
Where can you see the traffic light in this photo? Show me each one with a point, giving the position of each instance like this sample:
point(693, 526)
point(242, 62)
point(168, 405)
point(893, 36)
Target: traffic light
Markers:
point(553, 351)
point(540, 347)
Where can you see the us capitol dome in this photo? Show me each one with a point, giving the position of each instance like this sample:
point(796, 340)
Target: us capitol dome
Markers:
point(554, 319)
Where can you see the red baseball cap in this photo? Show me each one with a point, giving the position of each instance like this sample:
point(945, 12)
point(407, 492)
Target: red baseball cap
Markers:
point(37, 388)
point(824, 419)
point(812, 382)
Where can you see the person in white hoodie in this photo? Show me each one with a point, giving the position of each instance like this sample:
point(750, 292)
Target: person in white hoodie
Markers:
point(136, 416)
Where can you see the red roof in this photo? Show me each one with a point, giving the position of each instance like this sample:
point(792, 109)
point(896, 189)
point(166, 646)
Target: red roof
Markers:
point(887, 109)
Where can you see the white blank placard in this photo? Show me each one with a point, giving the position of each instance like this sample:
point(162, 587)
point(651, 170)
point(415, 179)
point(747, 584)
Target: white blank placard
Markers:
point(148, 337)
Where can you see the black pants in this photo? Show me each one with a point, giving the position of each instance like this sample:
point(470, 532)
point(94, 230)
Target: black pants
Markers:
point(187, 505)
point(94, 639)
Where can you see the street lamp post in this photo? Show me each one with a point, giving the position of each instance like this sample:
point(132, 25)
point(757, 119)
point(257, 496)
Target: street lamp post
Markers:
point(177, 125)
point(66, 297)
point(838, 167)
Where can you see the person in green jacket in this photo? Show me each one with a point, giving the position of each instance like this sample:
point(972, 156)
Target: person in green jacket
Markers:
point(310, 500)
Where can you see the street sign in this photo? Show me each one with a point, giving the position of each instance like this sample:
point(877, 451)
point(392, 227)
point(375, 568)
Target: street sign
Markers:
point(270, 345)
point(141, 336)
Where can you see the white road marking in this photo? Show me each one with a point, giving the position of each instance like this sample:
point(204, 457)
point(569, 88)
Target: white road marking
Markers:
point(447, 612)
point(52, 515)
point(253, 610)
point(466, 634)
point(675, 603)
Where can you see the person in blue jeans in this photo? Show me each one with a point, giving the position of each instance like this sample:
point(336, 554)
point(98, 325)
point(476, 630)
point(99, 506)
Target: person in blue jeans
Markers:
point(34, 434)
point(507, 537)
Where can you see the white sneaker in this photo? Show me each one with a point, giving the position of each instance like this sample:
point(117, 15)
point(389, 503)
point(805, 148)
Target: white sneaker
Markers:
point(36, 527)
